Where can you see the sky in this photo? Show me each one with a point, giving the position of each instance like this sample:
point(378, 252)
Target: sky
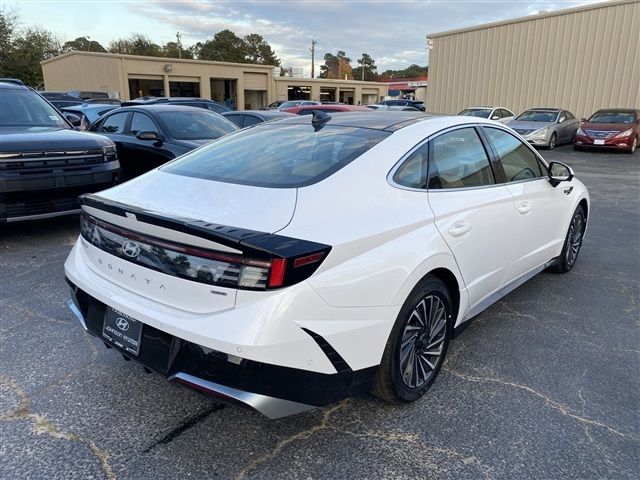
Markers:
point(393, 32)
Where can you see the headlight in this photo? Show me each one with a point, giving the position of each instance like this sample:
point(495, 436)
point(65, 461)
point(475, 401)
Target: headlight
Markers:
point(109, 150)
point(542, 131)
point(626, 133)
point(579, 132)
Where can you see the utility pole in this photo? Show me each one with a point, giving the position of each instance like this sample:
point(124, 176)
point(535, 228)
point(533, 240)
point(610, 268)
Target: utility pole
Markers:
point(363, 67)
point(179, 44)
point(88, 43)
point(313, 58)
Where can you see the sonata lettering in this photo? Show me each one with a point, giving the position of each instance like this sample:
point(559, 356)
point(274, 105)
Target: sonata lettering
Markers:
point(132, 276)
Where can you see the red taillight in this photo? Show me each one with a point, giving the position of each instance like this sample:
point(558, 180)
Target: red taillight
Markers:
point(276, 276)
point(302, 261)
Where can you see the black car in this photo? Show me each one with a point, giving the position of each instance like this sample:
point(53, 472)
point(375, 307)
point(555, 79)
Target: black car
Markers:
point(61, 100)
point(150, 135)
point(44, 163)
point(404, 103)
point(246, 118)
point(186, 101)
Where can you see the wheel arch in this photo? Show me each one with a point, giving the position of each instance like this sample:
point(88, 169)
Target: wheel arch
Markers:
point(451, 282)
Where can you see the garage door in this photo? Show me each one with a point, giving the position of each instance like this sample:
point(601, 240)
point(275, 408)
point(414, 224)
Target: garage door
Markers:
point(255, 81)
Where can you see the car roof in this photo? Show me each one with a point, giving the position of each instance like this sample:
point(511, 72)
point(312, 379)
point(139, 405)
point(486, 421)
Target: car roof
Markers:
point(387, 121)
point(159, 107)
point(260, 113)
point(620, 110)
point(542, 109)
point(13, 86)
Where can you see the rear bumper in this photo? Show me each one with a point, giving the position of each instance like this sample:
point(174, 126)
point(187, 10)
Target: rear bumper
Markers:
point(25, 196)
point(273, 390)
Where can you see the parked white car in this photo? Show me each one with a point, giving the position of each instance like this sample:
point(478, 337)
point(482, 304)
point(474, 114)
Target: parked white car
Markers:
point(499, 114)
point(293, 263)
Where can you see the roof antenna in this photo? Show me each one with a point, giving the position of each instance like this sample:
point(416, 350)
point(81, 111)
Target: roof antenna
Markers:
point(319, 119)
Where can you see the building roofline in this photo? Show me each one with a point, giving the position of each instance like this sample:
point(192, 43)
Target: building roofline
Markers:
point(156, 59)
point(325, 80)
point(528, 18)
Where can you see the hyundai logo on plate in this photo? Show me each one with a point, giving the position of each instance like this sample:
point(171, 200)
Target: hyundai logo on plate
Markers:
point(122, 324)
point(131, 249)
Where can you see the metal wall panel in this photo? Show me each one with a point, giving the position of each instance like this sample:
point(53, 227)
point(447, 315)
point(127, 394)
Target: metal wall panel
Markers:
point(582, 60)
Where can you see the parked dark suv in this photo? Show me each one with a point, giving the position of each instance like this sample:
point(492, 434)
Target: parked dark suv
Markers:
point(44, 163)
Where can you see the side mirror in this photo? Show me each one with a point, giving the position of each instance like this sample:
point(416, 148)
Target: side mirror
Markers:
point(495, 117)
point(148, 135)
point(559, 172)
point(582, 120)
point(73, 119)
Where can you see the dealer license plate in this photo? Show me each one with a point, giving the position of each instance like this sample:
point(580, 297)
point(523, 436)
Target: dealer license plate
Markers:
point(598, 142)
point(122, 330)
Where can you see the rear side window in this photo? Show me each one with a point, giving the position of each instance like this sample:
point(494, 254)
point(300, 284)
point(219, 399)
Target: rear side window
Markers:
point(518, 161)
point(114, 123)
point(278, 156)
point(250, 120)
point(236, 118)
point(413, 172)
point(459, 160)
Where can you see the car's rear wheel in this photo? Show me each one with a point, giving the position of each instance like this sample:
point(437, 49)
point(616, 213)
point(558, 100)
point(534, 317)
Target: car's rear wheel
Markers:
point(552, 141)
point(572, 242)
point(417, 345)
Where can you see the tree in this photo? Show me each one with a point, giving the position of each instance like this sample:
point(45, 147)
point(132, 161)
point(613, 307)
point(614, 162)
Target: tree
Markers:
point(27, 50)
point(259, 51)
point(82, 44)
point(413, 71)
point(367, 67)
point(136, 45)
point(171, 50)
point(7, 34)
point(226, 46)
point(336, 66)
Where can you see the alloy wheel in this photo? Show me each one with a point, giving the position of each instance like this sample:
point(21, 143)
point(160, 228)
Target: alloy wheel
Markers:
point(423, 341)
point(574, 239)
point(552, 141)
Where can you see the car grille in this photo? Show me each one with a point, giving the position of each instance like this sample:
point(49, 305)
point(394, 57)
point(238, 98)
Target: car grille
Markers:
point(524, 131)
point(36, 162)
point(601, 133)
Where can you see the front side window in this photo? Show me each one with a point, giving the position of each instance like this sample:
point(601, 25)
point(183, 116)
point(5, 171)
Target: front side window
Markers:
point(142, 123)
point(235, 118)
point(517, 159)
point(458, 160)
point(114, 123)
point(250, 120)
point(277, 155)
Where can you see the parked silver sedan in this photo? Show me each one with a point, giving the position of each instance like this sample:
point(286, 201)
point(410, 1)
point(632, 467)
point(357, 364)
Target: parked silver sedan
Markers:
point(499, 114)
point(546, 127)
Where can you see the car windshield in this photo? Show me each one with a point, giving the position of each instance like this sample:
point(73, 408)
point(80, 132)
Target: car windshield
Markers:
point(25, 108)
point(537, 116)
point(200, 125)
point(277, 155)
point(604, 116)
point(476, 112)
point(290, 104)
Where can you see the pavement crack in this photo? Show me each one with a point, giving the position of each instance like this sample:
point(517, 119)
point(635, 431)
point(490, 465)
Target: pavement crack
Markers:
point(563, 409)
point(185, 425)
point(44, 426)
point(322, 425)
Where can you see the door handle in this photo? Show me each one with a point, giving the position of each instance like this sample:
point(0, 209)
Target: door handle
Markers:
point(525, 207)
point(459, 228)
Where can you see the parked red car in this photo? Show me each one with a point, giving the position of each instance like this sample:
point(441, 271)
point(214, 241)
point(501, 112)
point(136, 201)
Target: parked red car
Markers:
point(616, 128)
point(308, 109)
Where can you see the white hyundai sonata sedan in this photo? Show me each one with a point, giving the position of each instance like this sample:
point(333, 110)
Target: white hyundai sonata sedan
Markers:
point(294, 263)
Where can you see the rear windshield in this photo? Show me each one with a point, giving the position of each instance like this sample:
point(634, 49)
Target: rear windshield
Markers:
point(604, 116)
point(277, 156)
point(200, 125)
point(25, 108)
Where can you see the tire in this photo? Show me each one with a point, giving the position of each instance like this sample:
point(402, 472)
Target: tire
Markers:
point(552, 141)
point(572, 242)
point(634, 145)
point(396, 381)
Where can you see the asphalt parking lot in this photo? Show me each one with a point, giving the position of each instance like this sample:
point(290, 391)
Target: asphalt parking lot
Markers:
point(545, 384)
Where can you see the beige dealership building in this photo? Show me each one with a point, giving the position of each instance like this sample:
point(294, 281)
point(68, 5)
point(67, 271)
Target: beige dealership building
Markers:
point(249, 86)
point(581, 59)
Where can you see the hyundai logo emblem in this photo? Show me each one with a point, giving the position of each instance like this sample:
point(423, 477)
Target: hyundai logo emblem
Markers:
point(122, 324)
point(131, 249)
